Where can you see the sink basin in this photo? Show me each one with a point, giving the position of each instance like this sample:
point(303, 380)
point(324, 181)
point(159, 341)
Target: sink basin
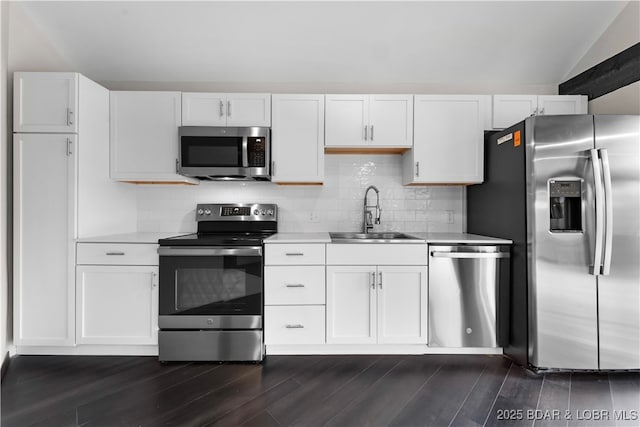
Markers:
point(387, 237)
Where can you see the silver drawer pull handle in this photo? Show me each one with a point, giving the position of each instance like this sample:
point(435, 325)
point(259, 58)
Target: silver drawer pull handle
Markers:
point(294, 285)
point(115, 253)
point(294, 254)
point(297, 326)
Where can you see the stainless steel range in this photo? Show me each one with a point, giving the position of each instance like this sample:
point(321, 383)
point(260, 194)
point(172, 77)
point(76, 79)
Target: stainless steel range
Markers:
point(211, 285)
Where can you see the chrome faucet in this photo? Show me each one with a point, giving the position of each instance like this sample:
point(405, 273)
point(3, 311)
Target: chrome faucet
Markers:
point(367, 212)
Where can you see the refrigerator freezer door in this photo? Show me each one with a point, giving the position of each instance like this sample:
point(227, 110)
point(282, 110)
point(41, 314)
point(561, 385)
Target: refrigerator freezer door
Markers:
point(619, 290)
point(563, 312)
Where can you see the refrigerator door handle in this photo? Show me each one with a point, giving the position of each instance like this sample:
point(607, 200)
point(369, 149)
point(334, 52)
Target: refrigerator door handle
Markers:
point(608, 217)
point(596, 269)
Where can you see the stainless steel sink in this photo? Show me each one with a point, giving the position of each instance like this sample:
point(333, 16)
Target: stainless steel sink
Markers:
point(388, 237)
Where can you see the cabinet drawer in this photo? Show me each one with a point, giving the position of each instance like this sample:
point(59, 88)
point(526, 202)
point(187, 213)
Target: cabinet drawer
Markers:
point(294, 324)
point(284, 285)
point(294, 254)
point(117, 253)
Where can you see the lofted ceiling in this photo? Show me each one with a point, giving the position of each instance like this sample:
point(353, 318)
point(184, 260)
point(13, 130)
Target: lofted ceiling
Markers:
point(394, 42)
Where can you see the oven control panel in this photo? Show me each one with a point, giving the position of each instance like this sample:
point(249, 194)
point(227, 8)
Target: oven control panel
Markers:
point(236, 212)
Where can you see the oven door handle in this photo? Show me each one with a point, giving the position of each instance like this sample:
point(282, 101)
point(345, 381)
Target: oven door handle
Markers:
point(195, 251)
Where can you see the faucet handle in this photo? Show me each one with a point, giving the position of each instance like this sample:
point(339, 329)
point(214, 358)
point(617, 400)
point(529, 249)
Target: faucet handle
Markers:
point(378, 217)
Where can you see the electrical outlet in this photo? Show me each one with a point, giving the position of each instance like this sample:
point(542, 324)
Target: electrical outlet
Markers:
point(314, 217)
point(449, 217)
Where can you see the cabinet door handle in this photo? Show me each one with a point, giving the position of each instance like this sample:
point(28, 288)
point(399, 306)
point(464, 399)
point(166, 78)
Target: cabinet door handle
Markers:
point(373, 280)
point(541, 111)
point(417, 168)
point(273, 167)
point(380, 279)
point(177, 166)
point(115, 253)
point(228, 108)
point(69, 147)
point(365, 133)
point(294, 254)
point(372, 132)
point(296, 326)
point(69, 117)
point(221, 108)
point(294, 285)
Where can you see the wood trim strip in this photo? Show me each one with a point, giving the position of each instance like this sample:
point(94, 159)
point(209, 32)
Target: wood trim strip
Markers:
point(611, 74)
point(365, 150)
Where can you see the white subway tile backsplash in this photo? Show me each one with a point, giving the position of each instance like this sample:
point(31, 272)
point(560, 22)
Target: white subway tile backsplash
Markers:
point(334, 206)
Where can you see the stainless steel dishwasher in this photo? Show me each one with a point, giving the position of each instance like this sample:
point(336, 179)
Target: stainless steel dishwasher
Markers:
point(468, 295)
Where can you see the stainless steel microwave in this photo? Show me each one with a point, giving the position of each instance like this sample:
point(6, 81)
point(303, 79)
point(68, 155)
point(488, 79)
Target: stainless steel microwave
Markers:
point(225, 153)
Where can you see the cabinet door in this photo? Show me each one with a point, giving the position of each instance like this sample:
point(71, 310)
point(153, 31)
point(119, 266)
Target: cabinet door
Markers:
point(249, 109)
point(402, 305)
point(510, 109)
point(117, 304)
point(45, 102)
point(391, 120)
point(351, 305)
point(347, 120)
point(448, 141)
point(144, 136)
point(297, 137)
point(44, 188)
point(562, 104)
point(204, 109)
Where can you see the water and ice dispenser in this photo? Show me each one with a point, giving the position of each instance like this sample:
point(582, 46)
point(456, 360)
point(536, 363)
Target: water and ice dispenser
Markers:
point(565, 206)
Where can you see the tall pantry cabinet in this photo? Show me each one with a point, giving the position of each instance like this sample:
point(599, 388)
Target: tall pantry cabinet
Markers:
point(62, 191)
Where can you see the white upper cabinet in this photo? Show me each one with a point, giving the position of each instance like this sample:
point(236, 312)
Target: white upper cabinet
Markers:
point(448, 141)
point(226, 109)
point(562, 104)
point(45, 102)
point(297, 139)
point(144, 136)
point(359, 121)
point(511, 109)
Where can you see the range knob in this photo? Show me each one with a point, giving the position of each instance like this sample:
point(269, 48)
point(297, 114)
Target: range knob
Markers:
point(270, 212)
point(207, 211)
point(200, 211)
point(263, 212)
point(256, 212)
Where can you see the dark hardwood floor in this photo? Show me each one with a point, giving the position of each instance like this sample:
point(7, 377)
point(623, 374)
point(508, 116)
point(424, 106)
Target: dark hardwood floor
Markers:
point(433, 390)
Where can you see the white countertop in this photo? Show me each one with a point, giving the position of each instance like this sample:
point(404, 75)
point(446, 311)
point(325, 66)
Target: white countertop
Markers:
point(142, 237)
point(432, 238)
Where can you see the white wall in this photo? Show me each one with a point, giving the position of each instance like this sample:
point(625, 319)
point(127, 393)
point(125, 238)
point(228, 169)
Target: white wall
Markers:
point(623, 33)
point(336, 206)
point(5, 264)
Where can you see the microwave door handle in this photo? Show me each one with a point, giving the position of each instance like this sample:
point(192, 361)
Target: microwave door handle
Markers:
point(245, 152)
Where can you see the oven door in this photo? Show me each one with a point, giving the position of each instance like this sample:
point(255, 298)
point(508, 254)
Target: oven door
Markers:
point(210, 288)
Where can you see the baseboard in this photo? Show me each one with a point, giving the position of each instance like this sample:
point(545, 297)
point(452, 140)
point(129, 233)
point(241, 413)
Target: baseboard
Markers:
point(5, 366)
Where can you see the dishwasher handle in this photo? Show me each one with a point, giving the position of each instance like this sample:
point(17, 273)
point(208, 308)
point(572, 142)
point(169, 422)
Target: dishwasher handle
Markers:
point(474, 255)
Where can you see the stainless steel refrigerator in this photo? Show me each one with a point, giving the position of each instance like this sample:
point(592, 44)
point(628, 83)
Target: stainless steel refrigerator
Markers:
point(566, 190)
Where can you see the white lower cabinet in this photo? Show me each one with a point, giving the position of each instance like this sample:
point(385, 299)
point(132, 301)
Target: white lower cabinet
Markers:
point(294, 294)
point(116, 300)
point(117, 304)
point(376, 304)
